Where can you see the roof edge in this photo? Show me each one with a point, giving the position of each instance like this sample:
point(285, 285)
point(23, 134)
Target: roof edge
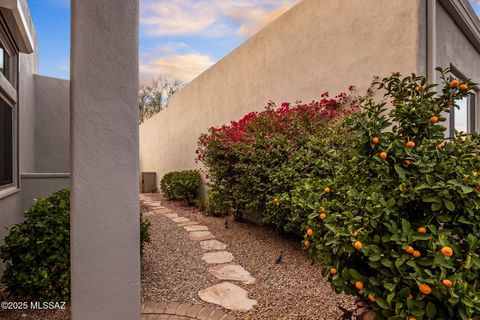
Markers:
point(19, 14)
point(464, 16)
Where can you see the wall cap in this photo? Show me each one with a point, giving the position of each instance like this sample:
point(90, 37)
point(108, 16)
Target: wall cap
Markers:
point(44, 175)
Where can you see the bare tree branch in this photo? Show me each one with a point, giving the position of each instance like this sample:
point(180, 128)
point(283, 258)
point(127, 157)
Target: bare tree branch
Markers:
point(154, 97)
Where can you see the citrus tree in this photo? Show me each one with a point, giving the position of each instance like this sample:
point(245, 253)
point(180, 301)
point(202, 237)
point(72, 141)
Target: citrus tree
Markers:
point(398, 223)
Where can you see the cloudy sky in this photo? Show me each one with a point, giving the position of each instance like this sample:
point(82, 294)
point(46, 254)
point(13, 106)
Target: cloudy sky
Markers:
point(178, 38)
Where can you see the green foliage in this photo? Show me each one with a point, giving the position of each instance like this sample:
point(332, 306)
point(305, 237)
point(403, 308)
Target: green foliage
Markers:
point(215, 204)
point(37, 252)
point(382, 203)
point(182, 185)
point(266, 153)
point(144, 234)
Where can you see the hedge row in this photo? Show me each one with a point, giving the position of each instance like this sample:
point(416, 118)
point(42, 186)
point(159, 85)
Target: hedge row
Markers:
point(387, 202)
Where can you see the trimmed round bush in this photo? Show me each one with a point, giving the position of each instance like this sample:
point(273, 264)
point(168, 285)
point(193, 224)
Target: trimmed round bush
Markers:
point(181, 185)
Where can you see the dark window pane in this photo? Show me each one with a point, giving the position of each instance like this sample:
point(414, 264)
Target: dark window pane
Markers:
point(6, 139)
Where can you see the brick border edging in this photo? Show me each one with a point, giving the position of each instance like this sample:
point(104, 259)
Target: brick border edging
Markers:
point(170, 310)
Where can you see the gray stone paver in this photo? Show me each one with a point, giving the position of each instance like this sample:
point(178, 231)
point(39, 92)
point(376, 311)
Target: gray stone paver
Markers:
point(228, 295)
point(200, 235)
point(232, 272)
point(188, 223)
point(180, 220)
point(209, 245)
point(217, 257)
point(196, 228)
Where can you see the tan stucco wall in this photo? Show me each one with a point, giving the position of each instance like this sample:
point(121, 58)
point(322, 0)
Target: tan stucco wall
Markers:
point(10, 206)
point(52, 125)
point(26, 111)
point(454, 49)
point(104, 207)
point(40, 185)
point(319, 45)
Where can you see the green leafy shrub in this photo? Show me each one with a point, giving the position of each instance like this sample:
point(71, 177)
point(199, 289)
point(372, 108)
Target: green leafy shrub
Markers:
point(215, 205)
point(144, 234)
point(398, 223)
point(265, 153)
point(37, 252)
point(182, 185)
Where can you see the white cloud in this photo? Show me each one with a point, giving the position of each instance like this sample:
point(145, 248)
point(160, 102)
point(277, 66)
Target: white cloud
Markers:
point(206, 18)
point(252, 19)
point(64, 65)
point(176, 17)
point(209, 18)
point(167, 61)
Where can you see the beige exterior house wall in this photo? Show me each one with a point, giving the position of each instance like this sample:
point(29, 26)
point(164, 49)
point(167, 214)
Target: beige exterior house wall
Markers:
point(317, 46)
point(43, 137)
point(454, 49)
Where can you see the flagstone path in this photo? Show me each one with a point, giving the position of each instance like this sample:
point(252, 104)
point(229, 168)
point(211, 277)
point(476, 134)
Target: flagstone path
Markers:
point(225, 294)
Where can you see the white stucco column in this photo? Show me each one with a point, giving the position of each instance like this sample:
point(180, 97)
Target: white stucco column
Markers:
point(105, 218)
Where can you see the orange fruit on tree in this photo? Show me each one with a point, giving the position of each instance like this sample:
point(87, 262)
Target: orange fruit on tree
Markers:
point(309, 232)
point(375, 140)
point(419, 88)
point(433, 119)
point(321, 209)
point(463, 87)
point(406, 162)
point(447, 251)
point(454, 83)
point(333, 271)
point(409, 250)
point(447, 283)
point(358, 245)
point(323, 216)
point(326, 190)
point(412, 318)
point(422, 230)
point(359, 285)
point(371, 297)
point(410, 145)
point(425, 288)
point(383, 155)
point(416, 253)
point(306, 243)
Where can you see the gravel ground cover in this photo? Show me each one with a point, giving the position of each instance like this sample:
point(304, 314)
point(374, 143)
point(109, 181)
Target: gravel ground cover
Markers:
point(172, 265)
point(293, 289)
